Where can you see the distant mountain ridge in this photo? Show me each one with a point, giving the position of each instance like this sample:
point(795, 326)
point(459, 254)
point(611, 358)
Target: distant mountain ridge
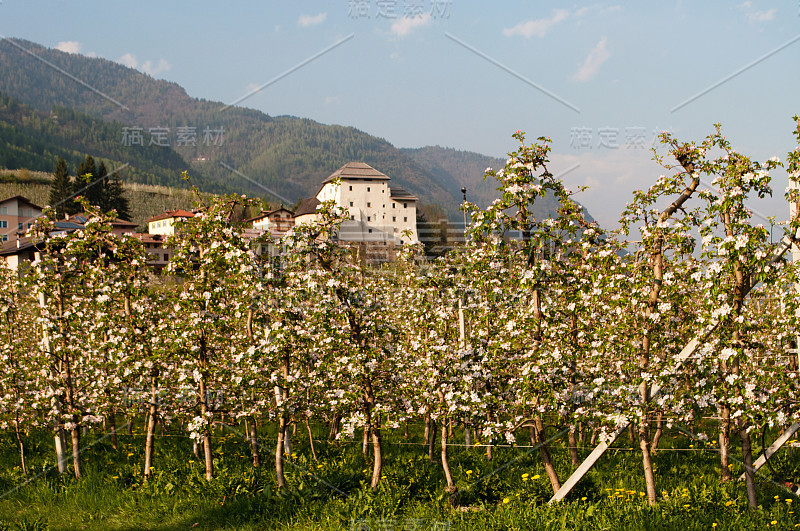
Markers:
point(278, 158)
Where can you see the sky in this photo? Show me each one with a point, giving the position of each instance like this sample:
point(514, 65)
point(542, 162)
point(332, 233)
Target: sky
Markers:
point(600, 79)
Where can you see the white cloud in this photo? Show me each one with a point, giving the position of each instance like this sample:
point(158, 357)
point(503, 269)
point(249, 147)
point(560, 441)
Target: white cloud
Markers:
point(754, 17)
point(596, 57)
point(129, 60)
point(538, 27)
point(148, 67)
point(761, 16)
point(311, 20)
point(406, 25)
point(69, 46)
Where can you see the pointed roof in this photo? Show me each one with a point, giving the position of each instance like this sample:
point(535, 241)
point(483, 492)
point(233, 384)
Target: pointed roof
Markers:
point(21, 199)
point(267, 213)
point(308, 206)
point(357, 170)
point(400, 194)
point(179, 213)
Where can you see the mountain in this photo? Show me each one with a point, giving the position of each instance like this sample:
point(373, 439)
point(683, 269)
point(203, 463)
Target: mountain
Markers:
point(61, 104)
point(34, 139)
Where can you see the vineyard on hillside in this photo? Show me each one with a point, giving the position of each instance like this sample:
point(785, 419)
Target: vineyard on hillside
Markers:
point(304, 383)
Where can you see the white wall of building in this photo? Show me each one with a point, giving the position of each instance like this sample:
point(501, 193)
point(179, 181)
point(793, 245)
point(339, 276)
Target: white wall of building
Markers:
point(372, 216)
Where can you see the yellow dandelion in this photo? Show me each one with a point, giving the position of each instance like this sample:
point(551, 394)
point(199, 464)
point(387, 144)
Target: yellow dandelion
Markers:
point(469, 472)
point(729, 503)
point(525, 476)
point(537, 476)
point(714, 524)
point(774, 522)
point(130, 455)
point(506, 500)
point(686, 506)
point(114, 477)
point(641, 493)
point(319, 466)
point(583, 499)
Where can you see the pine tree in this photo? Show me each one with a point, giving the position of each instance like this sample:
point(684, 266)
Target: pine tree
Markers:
point(85, 184)
point(115, 196)
point(61, 190)
point(104, 201)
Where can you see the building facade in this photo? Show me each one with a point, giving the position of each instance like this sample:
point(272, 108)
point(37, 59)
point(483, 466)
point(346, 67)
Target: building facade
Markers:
point(377, 212)
point(16, 215)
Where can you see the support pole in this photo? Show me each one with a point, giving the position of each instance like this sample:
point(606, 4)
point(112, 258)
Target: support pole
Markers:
point(777, 445)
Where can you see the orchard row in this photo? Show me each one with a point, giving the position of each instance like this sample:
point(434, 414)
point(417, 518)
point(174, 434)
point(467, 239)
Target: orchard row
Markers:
point(571, 324)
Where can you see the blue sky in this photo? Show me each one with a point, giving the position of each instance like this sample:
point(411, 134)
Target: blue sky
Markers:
point(600, 79)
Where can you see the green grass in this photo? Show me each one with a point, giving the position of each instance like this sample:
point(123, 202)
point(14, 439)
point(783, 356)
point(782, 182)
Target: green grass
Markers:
point(333, 493)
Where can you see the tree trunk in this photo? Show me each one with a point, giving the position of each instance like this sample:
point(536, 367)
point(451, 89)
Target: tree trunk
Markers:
point(544, 452)
point(209, 462)
point(573, 447)
point(431, 439)
point(287, 442)
point(724, 443)
point(647, 464)
point(254, 441)
point(149, 444)
point(334, 431)
point(311, 440)
point(20, 446)
point(111, 422)
point(427, 433)
point(279, 452)
point(749, 471)
point(195, 449)
point(377, 454)
point(451, 487)
point(659, 431)
point(76, 447)
point(467, 436)
point(365, 443)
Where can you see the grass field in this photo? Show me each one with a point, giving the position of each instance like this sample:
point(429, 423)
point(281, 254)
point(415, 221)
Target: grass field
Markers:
point(508, 492)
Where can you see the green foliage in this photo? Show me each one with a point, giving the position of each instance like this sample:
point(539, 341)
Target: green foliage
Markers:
point(113, 495)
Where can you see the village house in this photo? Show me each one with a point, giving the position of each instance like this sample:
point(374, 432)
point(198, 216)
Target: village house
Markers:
point(16, 215)
point(277, 222)
point(164, 223)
